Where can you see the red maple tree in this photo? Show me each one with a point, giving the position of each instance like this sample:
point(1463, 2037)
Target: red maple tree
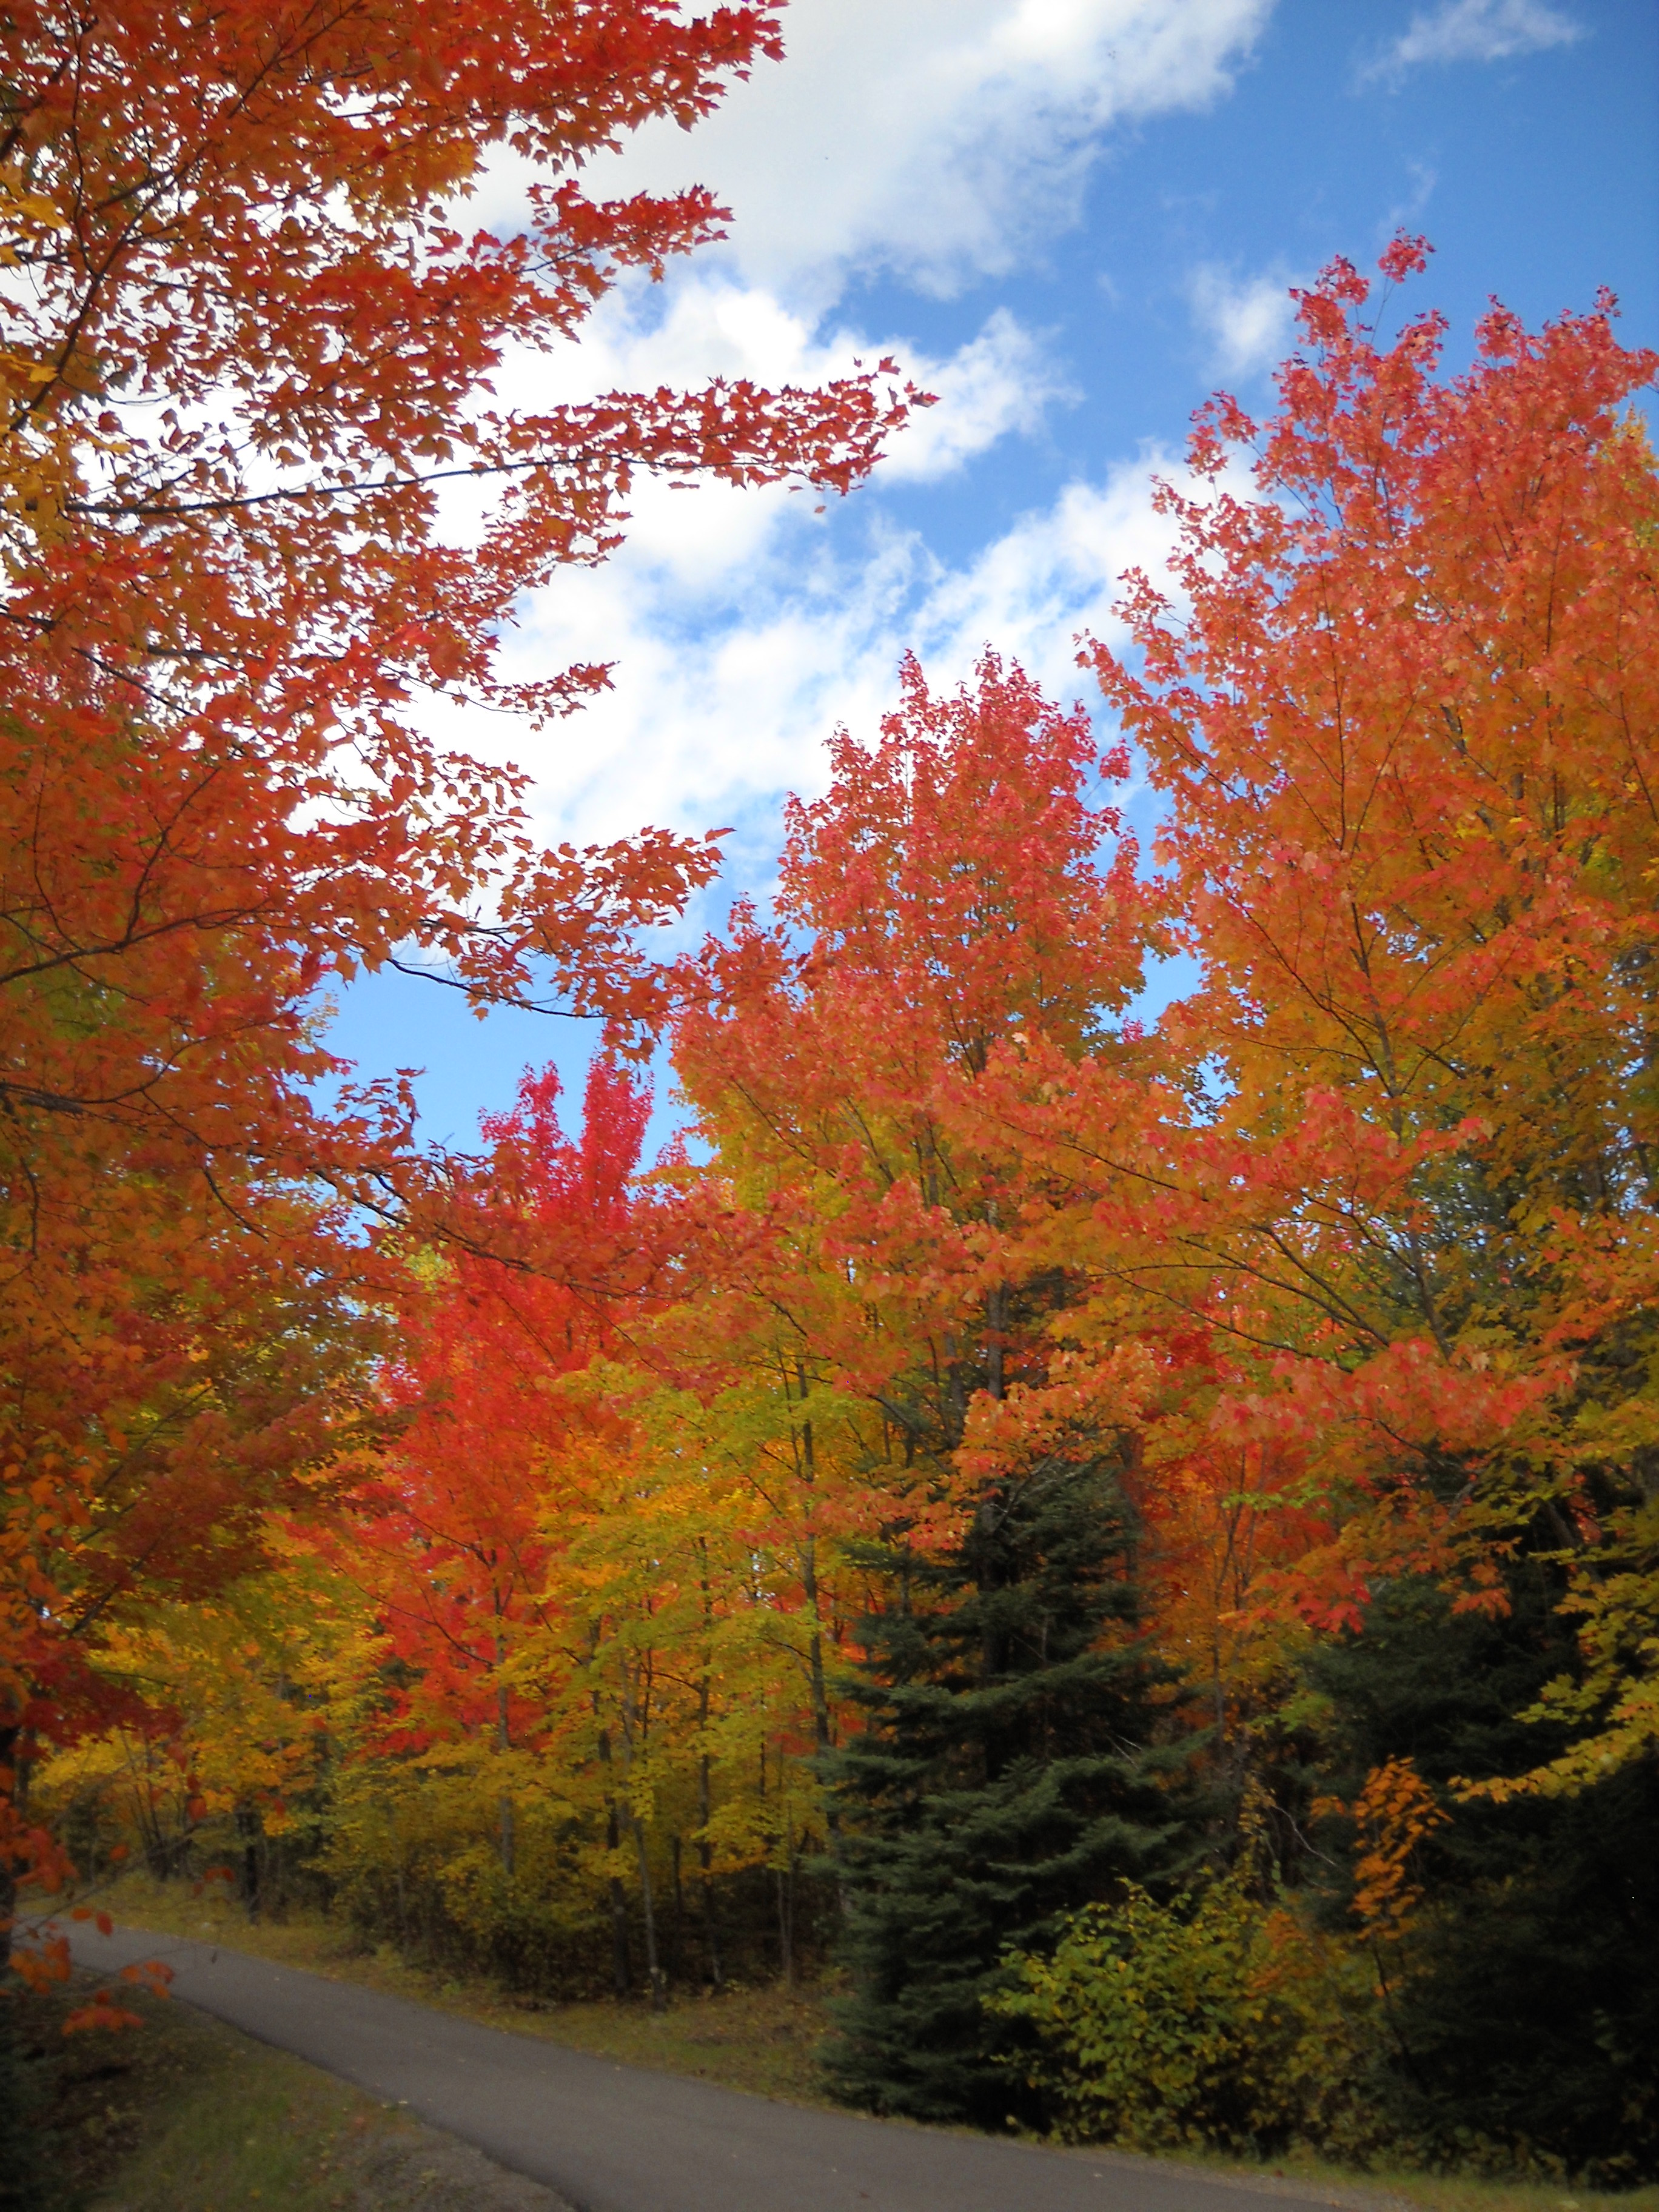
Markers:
point(249, 337)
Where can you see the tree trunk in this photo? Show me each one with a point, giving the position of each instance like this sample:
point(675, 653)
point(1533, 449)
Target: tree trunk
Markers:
point(503, 1739)
point(621, 1968)
point(786, 1879)
point(711, 1933)
point(636, 1722)
point(9, 1795)
point(822, 1737)
point(678, 1952)
point(654, 1970)
point(247, 1830)
point(711, 1930)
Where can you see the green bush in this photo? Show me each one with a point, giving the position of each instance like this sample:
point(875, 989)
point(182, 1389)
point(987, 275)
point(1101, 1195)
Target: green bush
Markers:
point(1210, 2020)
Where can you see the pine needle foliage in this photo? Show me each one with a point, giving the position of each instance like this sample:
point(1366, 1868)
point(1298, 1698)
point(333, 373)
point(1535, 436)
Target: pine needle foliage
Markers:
point(1008, 1771)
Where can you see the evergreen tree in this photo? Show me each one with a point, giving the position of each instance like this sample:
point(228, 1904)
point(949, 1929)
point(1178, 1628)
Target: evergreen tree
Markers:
point(1529, 2015)
point(1007, 1773)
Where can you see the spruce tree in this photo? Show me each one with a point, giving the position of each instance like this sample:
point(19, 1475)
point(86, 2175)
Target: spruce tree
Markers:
point(1008, 1772)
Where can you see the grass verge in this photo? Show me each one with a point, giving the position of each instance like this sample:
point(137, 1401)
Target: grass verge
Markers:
point(1380, 2186)
point(183, 2114)
point(763, 2039)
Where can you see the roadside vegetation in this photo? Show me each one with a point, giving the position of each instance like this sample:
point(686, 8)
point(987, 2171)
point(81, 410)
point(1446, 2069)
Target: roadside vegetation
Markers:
point(763, 2040)
point(183, 2114)
point(757, 2036)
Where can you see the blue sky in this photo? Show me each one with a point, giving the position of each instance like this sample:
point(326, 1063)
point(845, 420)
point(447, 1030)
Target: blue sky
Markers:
point(1073, 219)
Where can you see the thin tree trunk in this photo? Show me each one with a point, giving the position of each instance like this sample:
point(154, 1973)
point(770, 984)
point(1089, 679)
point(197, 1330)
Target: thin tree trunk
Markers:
point(711, 1933)
point(636, 1723)
point(786, 1879)
point(711, 1929)
point(503, 1737)
point(659, 1988)
point(678, 1951)
point(149, 1820)
point(622, 1970)
point(247, 1830)
point(822, 1736)
point(996, 1329)
point(10, 1792)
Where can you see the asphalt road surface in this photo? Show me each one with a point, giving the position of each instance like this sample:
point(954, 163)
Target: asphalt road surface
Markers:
point(613, 2138)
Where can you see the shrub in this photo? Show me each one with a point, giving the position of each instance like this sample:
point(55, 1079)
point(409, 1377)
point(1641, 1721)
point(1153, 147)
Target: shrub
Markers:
point(1212, 2020)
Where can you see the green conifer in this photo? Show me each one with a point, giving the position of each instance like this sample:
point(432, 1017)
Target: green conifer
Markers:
point(1007, 1773)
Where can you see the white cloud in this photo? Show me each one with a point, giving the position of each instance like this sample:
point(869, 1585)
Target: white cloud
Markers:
point(929, 139)
point(729, 676)
point(1409, 209)
point(1000, 383)
point(933, 141)
point(1478, 30)
point(1247, 320)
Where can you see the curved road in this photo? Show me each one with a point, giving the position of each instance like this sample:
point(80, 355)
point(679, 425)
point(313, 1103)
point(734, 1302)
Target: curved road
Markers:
point(613, 2138)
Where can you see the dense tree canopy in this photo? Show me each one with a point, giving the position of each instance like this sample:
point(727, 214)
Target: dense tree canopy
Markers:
point(249, 337)
point(1134, 1529)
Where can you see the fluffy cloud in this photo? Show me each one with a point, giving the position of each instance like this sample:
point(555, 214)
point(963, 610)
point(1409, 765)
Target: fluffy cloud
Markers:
point(1000, 383)
point(933, 141)
point(1478, 30)
point(729, 618)
point(1247, 321)
point(729, 676)
point(708, 323)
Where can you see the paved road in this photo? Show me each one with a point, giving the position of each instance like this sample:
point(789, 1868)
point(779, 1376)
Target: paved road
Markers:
point(615, 2138)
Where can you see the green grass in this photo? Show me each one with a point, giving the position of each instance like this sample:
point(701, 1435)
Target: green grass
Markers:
point(761, 2039)
point(182, 2114)
point(185, 2114)
point(1438, 2192)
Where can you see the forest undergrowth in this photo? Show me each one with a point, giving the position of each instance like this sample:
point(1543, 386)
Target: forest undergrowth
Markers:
point(761, 2037)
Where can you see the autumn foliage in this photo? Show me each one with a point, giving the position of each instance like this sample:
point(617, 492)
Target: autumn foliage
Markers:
point(1401, 729)
point(250, 335)
point(527, 1570)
